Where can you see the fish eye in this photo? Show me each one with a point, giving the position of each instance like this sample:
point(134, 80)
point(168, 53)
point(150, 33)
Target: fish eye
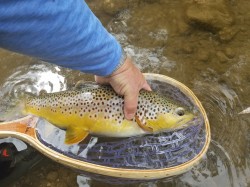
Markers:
point(180, 111)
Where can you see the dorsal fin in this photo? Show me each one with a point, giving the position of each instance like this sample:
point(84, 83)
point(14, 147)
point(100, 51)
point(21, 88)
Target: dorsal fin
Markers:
point(86, 84)
point(42, 92)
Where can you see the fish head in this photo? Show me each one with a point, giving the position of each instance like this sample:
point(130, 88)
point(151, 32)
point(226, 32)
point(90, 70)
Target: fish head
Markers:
point(176, 118)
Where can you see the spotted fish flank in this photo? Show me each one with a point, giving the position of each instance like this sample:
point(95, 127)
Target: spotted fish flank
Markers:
point(99, 110)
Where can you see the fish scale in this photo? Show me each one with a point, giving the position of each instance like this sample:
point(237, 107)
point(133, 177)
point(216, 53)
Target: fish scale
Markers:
point(99, 110)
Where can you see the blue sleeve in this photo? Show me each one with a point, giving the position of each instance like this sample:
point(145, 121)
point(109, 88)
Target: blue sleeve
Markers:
point(66, 33)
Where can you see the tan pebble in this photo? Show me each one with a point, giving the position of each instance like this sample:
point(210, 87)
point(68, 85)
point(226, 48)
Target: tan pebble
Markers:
point(43, 184)
point(221, 56)
point(112, 7)
point(61, 184)
point(227, 34)
point(187, 49)
point(182, 27)
point(52, 176)
point(203, 56)
point(27, 180)
point(229, 52)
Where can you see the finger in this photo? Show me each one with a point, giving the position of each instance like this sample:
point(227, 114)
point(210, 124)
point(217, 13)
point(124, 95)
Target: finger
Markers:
point(130, 105)
point(146, 86)
point(101, 80)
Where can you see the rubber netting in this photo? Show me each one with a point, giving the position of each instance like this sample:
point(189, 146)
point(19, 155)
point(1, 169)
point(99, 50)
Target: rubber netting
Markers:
point(154, 151)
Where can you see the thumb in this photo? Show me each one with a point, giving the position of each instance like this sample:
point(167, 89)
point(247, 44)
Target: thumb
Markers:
point(101, 80)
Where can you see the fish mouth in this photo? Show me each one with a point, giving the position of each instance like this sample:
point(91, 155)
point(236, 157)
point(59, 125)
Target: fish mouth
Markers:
point(185, 122)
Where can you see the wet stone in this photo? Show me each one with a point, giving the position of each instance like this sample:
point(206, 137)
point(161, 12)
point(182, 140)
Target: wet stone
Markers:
point(43, 183)
point(227, 34)
point(187, 49)
point(203, 56)
point(221, 57)
point(112, 7)
point(70, 179)
point(209, 15)
point(229, 52)
point(27, 180)
point(61, 184)
point(182, 26)
point(52, 176)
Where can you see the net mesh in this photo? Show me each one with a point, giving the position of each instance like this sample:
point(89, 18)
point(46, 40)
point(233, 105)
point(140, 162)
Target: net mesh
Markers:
point(154, 151)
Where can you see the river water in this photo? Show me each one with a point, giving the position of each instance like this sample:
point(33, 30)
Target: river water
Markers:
point(207, 53)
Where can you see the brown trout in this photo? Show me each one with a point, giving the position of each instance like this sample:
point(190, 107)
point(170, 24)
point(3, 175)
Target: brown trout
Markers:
point(99, 110)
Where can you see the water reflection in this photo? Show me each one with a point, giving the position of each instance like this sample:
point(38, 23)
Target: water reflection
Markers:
point(33, 79)
point(30, 80)
point(217, 169)
point(222, 103)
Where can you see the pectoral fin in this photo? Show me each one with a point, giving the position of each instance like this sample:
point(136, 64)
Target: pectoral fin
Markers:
point(143, 126)
point(75, 135)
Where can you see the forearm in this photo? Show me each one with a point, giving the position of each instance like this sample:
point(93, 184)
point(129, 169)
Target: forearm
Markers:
point(62, 32)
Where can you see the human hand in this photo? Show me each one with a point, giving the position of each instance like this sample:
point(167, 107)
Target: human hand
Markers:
point(127, 81)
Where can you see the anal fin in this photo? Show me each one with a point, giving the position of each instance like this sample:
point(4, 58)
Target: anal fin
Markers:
point(75, 135)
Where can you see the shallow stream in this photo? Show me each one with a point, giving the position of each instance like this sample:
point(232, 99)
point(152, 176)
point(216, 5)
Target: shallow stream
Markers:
point(209, 54)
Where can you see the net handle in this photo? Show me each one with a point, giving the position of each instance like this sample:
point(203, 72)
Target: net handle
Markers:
point(20, 127)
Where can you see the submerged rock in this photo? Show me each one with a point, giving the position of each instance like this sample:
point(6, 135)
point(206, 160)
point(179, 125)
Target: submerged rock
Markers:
point(227, 33)
point(52, 176)
point(112, 7)
point(209, 15)
point(203, 55)
point(229, 52)
point(221, 57)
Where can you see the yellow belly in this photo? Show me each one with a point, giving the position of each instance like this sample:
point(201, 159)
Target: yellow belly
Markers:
point(95, 125)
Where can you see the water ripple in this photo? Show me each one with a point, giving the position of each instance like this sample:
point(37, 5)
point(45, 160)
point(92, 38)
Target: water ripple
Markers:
point(30, 80)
